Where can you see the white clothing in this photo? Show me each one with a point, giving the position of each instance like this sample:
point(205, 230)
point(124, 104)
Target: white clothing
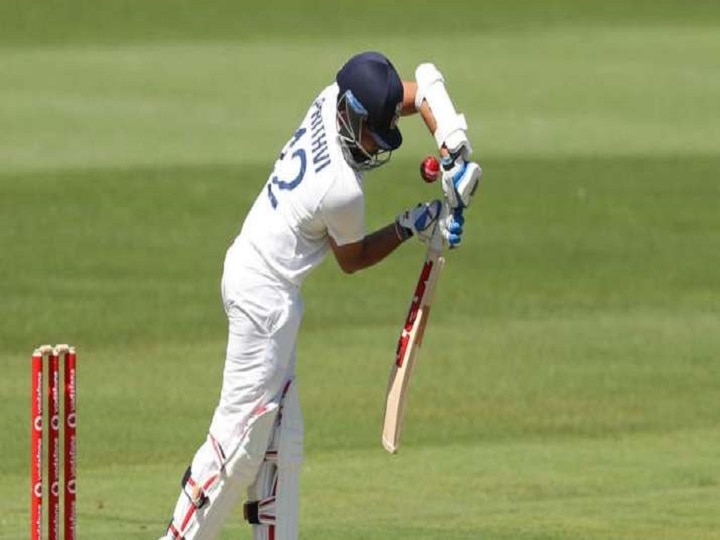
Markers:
point(311, 194)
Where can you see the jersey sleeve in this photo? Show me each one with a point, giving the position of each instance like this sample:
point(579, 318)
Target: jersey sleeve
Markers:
point(343, 211)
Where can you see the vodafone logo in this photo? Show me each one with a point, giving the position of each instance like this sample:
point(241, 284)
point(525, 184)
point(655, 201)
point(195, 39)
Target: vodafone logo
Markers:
point(54, 489)
point(37, 489)
point(70, 487)
point(37, 423)
point(55, 423)
point(72, 420)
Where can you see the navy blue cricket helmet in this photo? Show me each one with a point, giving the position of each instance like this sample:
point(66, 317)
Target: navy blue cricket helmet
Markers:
point(370, 97)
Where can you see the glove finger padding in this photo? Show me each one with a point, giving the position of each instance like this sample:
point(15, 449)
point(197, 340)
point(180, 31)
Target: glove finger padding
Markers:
point(419, 221)
point(451, 225)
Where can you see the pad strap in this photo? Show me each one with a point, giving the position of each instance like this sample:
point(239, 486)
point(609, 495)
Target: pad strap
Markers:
point(260, 512)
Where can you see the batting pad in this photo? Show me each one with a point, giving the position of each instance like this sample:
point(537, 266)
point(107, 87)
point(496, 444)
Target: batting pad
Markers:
point(219, 473)
point(273, 497)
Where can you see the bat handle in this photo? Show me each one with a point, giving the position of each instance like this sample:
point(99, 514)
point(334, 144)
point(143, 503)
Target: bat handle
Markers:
point(436, 240)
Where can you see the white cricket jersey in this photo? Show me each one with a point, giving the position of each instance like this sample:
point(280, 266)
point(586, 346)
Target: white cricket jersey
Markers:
point(311, 194)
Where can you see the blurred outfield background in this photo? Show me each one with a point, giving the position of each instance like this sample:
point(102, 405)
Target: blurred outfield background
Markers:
point(569, 384)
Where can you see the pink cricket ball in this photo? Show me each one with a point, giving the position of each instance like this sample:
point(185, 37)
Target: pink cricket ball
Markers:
point(430, 169)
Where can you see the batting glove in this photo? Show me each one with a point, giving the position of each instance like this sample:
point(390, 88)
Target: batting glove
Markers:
point(451, 227)
point(419, 221)
point(460, 180)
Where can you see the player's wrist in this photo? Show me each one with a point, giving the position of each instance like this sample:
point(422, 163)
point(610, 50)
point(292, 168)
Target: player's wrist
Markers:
point(403, 233)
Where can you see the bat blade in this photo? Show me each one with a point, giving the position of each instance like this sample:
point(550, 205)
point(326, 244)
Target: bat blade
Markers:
point(408, 346)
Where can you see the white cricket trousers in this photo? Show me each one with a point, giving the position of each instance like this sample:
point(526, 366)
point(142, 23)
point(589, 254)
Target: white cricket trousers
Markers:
point(263, 322)
point(260, 361)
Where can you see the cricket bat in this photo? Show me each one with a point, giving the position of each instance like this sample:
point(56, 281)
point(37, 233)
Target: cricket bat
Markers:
point(409, 344)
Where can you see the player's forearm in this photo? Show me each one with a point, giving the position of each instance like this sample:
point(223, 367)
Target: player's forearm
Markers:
point(408, 108)
point(378, 245)
point(431, 123)
point(369, 251)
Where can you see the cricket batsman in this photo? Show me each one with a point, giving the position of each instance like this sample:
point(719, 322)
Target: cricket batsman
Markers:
point(311, 203)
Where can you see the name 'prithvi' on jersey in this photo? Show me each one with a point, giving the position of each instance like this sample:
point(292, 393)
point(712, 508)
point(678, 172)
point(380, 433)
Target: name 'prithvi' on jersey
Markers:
point(321, 157)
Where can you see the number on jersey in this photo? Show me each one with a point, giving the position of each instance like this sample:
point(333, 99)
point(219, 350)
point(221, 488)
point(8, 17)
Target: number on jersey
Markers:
point(298, 155)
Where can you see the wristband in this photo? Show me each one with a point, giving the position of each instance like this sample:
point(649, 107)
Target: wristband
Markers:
point(403, 233)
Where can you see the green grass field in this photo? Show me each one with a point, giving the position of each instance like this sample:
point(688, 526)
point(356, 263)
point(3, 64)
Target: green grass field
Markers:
point(569, 385)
